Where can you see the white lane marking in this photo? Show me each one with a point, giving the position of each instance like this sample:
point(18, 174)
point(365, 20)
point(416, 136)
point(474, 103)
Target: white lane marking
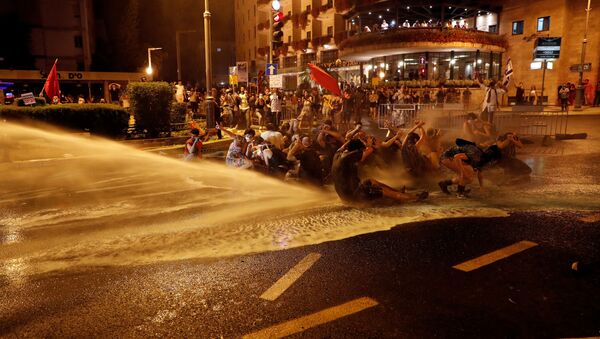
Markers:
point(315, 319)
point(290, 277)
point(492, 257)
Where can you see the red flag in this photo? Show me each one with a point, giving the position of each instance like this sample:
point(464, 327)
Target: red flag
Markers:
point(324, 79)
point(51, 86)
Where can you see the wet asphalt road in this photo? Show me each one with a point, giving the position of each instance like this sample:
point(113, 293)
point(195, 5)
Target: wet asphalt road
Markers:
point(408, 271)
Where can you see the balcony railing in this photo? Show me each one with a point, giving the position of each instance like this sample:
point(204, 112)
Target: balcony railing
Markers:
point(435, 35)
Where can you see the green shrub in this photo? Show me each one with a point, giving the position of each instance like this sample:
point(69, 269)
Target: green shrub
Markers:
point(151, 106)
point(39, 101)
point(102, 119)
point(178, 112)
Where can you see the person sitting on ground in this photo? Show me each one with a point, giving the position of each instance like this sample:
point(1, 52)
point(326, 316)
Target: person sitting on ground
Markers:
point(235, 155)
point(477, 130)
point(273, 136)
point(309, 165)
point(430, 146)
point(467, 160)
point(415, 163)
point(515, 170)
point(348, 184)
point(389, 151)
point(193, 146)
point(329, 141)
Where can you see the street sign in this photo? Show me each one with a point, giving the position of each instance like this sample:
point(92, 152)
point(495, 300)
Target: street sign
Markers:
point(242, 69)
point(28, 99)
point(276, 81)
point(272, 69)
point(576, 68)
point(422, 60)
point(547, 48)
point(233, 75)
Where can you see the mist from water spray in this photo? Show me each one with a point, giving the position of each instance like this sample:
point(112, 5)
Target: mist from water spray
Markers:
point(68, 201)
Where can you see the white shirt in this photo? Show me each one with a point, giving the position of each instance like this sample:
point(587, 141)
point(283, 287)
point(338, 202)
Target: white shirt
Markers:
point(274, 137)
point(275, 103)
point(491, 98)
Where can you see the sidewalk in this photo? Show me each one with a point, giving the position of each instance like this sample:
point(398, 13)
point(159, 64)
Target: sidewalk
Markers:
point(585, 111)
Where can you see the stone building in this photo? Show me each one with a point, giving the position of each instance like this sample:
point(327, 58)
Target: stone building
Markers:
point(420, 44)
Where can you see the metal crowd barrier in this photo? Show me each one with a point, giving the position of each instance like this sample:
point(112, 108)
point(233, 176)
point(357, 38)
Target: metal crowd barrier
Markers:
point(532, 123)
point(397, 115)
point(452, 117)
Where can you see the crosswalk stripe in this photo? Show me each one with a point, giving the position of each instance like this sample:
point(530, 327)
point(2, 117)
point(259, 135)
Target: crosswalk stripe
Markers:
point(497, 255)
point(312, 320)
point(290, 277)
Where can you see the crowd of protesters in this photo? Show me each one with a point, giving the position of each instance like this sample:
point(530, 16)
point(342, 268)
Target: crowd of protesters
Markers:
point(325, 139)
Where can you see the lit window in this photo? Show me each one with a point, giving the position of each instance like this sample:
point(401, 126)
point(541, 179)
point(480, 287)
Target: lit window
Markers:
point(543, 24)
point(517, 27)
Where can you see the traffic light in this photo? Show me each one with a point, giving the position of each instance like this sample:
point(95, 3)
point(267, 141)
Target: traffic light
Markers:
point(277, 37)
point(277, 30)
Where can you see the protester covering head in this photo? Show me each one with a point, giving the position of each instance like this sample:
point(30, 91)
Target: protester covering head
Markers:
point(355, 145)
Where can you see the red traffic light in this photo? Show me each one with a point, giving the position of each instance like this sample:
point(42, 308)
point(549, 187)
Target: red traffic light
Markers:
point(278, 17)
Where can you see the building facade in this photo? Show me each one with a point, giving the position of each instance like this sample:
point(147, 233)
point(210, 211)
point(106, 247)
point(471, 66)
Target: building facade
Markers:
point(523, 22)
point(421, 44)
point(57, 29)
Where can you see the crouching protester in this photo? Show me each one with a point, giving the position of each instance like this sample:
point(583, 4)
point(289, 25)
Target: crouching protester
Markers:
point(467, 161)
point(193, 146)
point(236, 157)
point(348, 184)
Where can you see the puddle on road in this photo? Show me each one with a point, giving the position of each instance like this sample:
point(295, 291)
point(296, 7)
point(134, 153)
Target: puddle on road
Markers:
point(99, 203)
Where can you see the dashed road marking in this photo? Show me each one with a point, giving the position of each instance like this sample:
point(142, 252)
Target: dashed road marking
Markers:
point(312, 320)
point(290, 277)
point(492, 257)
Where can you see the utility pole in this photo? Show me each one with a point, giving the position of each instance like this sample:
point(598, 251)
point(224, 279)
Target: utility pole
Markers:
point(178, 48)
point(579, 98)
point(207, 48)
point(270, 37)
point(209, 106)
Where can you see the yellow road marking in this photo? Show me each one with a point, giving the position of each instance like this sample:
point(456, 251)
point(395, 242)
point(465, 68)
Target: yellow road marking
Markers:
point(492, 257)
point(290, 277)
point(591, 218)
point(312, 320)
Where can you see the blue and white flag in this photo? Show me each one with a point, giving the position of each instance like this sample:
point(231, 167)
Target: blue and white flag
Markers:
point(508, 73)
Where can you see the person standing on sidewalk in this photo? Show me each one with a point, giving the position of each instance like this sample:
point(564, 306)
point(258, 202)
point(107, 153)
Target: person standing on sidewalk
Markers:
point(276, 102)
point(597, 98)
point(563, 95)
point(490, 100)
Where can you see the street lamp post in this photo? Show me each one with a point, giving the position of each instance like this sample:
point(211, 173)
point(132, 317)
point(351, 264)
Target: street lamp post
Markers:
point(209, 103)
point(207, 47)
point(149, 70)
point(579, 98)
point(178, 48)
